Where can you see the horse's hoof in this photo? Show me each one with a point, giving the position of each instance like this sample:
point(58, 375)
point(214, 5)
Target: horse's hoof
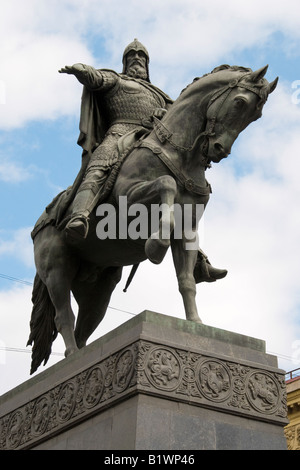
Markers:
point(195, 320)
point(156, 250)
point(70, 351)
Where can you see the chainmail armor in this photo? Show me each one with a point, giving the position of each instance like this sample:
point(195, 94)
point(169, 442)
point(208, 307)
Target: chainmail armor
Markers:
point(125, 105)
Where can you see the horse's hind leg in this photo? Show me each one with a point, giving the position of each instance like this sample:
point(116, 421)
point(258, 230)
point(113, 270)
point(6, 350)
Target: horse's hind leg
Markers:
point(59, 291)
point(93, 299)
point(57, 267)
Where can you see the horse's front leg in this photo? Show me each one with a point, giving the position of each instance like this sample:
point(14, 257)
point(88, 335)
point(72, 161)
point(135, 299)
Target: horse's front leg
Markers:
point(184, 262)
point(163, 189)
point(157, 245)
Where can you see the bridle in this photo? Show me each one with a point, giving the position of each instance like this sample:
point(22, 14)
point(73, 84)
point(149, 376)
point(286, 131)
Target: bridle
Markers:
point(164, 135)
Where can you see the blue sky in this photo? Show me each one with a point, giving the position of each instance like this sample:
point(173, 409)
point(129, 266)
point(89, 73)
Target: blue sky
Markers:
point(251, 225)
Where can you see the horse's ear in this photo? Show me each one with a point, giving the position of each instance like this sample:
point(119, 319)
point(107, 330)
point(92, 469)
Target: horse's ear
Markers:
point(258, 74)
point(273, 85)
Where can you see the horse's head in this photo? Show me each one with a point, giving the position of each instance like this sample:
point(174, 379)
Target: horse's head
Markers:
point(232, 108)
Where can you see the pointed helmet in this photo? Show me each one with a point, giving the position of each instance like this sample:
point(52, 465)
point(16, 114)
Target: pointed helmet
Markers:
point(136, 46)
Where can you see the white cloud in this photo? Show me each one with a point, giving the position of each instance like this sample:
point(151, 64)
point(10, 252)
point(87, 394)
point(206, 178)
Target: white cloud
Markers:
point(14, 332)
point(34, 89)
point(19, 246)
point(35, 42)
point(12, 173)
point(37, 39)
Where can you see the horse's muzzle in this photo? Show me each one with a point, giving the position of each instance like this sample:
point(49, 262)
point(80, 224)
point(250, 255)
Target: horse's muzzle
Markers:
point(217, 152)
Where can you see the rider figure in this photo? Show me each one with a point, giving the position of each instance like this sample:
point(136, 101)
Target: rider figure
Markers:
point(114, 104)
point(125, 101)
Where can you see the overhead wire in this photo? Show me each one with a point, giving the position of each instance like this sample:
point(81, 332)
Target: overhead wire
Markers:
point(10, 278)
point(28, 283)
point(22, 281)
point(21, 350)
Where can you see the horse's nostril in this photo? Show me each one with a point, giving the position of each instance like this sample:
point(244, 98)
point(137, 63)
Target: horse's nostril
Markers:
point(219, 149)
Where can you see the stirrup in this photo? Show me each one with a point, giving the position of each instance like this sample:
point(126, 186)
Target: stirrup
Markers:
point(77, 227)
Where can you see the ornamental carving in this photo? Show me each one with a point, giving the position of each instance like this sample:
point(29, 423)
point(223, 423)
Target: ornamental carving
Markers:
point(292, 434)
point(15, 429)
point(40, 416)
point(214, 380)
point(123, 370)
point(93, 387)
point(155, 369)
point(66, 401)
point(163, 369)
point(263, 392)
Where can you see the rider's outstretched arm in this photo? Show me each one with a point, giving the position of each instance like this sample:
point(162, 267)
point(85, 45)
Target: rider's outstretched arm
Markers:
point(85, 74)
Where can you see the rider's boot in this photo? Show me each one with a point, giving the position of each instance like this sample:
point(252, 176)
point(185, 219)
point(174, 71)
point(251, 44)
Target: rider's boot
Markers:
point(84, 202)
point(205, 272)
point(78, 226)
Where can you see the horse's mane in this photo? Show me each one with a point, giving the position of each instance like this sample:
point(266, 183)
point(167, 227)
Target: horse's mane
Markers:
point(233, 68)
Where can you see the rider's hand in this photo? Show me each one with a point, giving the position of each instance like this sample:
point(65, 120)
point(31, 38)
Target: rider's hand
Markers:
point(159, 113)
point(85, 74)
point(72, 69)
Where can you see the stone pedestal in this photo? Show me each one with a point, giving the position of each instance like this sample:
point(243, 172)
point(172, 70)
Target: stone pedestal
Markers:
point(154, 383)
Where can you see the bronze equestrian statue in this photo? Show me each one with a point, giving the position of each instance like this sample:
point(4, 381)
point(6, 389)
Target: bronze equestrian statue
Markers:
point(161, 159)
point(114, 105)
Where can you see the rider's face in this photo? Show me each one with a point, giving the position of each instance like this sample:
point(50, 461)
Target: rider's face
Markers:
point(136, 64)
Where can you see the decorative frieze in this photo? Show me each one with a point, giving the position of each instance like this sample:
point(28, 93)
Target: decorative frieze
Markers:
point(147, 367)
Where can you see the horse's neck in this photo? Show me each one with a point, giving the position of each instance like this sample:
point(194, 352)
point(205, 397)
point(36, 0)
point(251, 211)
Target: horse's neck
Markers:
point(186, 119)
point(181, 130)
point(183, 163)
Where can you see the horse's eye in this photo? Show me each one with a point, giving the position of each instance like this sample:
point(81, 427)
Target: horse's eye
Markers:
point(239, 102)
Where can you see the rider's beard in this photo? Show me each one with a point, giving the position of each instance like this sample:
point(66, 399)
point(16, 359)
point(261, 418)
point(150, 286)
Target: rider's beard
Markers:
point(137, 71)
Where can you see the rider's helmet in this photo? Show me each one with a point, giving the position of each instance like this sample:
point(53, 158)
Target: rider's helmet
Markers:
point(136, 46)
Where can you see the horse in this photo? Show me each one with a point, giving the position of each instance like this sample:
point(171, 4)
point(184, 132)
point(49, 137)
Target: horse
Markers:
point(165, 167)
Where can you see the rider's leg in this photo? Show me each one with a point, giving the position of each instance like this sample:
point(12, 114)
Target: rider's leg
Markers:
point(83, 203)
point(101, 161)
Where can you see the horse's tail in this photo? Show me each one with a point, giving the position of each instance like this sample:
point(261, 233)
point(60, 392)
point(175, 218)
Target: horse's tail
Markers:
point(42, 326)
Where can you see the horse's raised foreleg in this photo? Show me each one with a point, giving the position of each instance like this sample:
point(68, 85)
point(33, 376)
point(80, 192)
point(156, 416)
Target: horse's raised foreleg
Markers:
point(163, 189)
point(184, 262)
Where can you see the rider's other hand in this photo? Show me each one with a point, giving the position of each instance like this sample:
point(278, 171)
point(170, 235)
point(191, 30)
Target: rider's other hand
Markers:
point(159, 113)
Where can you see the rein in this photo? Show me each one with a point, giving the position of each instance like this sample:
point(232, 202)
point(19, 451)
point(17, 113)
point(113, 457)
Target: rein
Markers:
point(188, 183)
